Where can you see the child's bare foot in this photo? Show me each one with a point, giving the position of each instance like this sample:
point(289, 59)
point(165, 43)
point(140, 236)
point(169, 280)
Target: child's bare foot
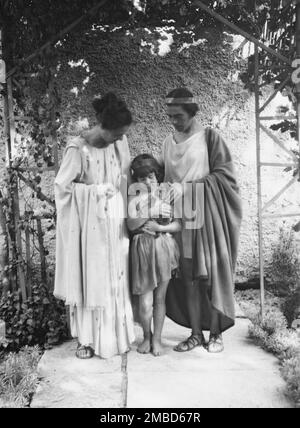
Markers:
point(157, 348)
point(145, 347)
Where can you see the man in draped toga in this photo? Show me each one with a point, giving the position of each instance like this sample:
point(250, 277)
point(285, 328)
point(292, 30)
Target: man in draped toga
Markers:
point(199, 160)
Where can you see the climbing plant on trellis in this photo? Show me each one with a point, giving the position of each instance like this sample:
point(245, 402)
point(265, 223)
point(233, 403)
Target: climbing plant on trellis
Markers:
point(30, 30)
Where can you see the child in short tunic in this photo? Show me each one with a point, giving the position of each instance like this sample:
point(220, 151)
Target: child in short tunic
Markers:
point(154, 252)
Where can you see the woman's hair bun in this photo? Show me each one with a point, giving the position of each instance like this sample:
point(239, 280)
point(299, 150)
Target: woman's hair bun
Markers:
point(109, 100)
point(111, 111)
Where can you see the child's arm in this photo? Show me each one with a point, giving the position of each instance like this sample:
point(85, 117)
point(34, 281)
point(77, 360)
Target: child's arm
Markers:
point(153, 226)
point(135, 223)
point(139, 211)
point(173, 227)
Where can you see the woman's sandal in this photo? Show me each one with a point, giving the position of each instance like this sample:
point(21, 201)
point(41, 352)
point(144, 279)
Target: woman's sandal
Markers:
point(215, 343)
point(190, 343)
point(84, 352)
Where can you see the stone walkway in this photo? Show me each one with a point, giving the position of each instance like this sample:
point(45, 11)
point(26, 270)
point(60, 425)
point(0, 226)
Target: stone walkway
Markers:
point(243, 376)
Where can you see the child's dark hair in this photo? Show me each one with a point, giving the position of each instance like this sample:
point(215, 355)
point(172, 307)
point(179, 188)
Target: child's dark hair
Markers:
point(143, 165)
point(112, 112)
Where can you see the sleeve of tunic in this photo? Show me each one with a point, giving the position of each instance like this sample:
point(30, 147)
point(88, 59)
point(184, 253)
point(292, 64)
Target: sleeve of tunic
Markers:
point(69, 173)
point(126, 160)
point(80, 236)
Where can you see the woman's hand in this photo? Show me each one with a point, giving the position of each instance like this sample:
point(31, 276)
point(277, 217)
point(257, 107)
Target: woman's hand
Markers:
point(106, 189)
point(161, 209)
point(151, 227)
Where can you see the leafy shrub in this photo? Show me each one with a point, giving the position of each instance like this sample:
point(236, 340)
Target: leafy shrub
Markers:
point(249, 301)
point(258, 335)
point(284, 275)
point(40, 320)
point(283, 343)
point(272, 322)
point(291, 306)
point(18, 377)
point(291, 373)
point(272, 334)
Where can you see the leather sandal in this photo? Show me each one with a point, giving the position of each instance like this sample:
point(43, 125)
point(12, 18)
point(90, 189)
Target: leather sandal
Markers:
point(84, 352)
point(215, 343)
point(190, 343)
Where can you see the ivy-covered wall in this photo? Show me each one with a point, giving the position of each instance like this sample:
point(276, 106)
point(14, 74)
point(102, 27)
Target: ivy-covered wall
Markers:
point(99, 62)
point(143, 67)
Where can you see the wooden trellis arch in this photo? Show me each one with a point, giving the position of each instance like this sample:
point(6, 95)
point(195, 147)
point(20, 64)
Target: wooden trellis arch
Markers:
point(10, 120)
point(17, 251)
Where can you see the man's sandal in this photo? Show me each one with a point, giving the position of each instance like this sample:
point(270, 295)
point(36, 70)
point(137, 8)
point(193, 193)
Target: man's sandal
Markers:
point(190, 343)
point(84, 352)
point(215, 343)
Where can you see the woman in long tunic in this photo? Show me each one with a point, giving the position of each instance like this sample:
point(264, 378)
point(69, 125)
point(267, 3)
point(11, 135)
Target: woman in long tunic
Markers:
point(203, 299)
point(92, 245)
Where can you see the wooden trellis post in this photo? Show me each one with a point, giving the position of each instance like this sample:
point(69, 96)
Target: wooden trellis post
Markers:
point(3, 231)
point(7, 136)
point(42, 250)
point(3, 248)
point(297, 91)
point(28, 255)
point(16, 205)
point(54, 143)
point(14, 234)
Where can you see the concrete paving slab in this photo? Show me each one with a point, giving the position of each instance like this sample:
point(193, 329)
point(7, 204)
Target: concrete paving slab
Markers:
point(205, 390)
point(70, 382)
point(242, 376)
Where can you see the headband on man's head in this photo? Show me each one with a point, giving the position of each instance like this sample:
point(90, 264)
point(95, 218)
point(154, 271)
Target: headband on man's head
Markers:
point(183, 100)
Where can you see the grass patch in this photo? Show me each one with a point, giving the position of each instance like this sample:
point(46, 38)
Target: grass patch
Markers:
point(291, 373)
point(273, 335)
point(18, 377)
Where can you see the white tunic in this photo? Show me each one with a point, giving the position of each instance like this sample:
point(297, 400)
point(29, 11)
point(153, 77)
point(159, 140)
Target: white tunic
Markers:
point(187, 162)
point(102, 317)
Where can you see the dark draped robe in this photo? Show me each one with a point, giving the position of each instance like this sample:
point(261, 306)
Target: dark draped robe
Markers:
point(219, 239)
